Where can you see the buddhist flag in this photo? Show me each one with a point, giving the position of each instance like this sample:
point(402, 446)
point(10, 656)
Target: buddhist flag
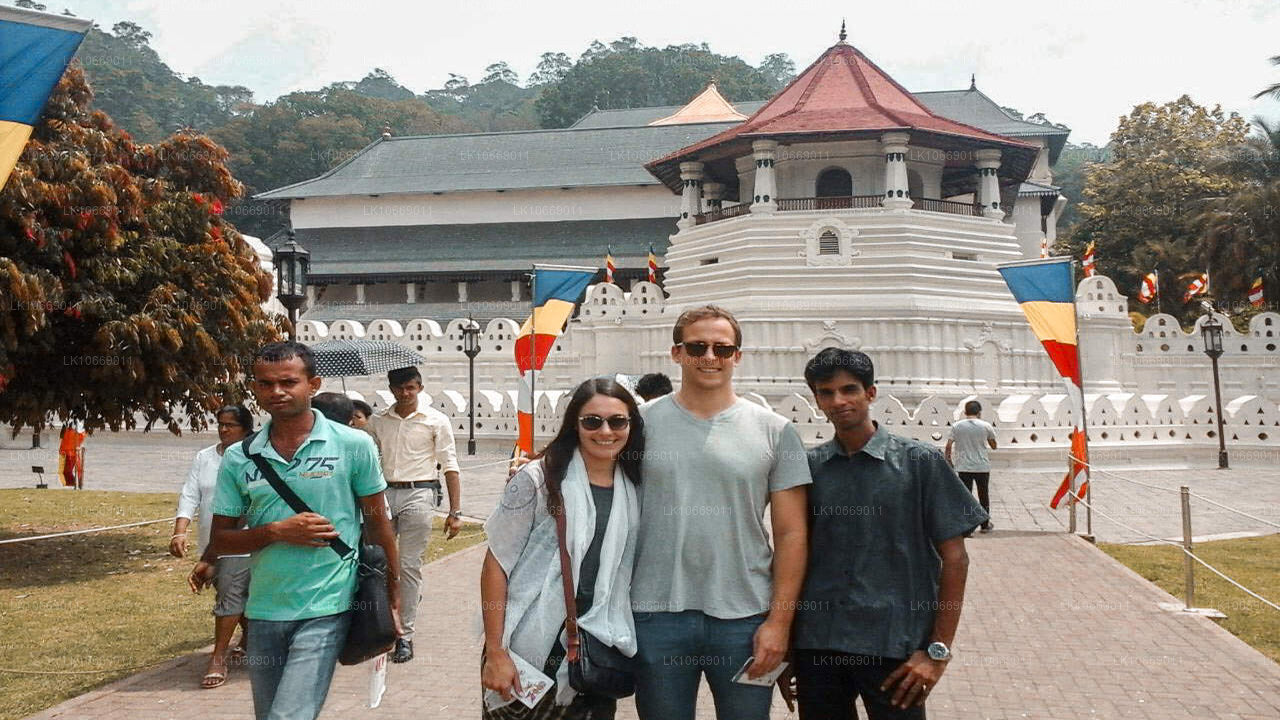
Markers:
point(1255, 293)
point(556, 290)
point(35, 49)
point(1044, 289)
point(1150, 288)
point(1044, 246)
point(1087, 262)
point(1199, 286)
point(608, 265)
point(653, 266)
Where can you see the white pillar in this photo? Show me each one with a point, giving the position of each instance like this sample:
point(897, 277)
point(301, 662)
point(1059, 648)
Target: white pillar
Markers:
point(359, 293)
point(462, 291)
point(515, 290)
point(897, 191)
point(410, 293)
point(712, 196)
point(691, 196)
point(311, 296)
point(988, 161)
point(765, 197)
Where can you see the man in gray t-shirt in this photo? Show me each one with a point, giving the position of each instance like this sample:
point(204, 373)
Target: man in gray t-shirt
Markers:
point(708, 593)
point(967, 452)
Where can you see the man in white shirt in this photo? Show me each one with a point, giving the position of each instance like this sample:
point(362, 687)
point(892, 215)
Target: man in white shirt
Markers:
point(970, 438)
point(414, 441)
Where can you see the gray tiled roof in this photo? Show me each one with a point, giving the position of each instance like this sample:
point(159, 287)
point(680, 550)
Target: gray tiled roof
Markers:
point(973, 107)
point(501, 161)
point(422, 250)
point(404, 312)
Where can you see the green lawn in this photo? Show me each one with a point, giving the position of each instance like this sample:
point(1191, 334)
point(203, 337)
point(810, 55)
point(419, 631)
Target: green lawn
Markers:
point(1252, 562)
point(113, 601)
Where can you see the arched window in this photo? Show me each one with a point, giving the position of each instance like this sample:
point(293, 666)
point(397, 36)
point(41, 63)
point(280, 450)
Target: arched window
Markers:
point(828, 243)
point(834, 182)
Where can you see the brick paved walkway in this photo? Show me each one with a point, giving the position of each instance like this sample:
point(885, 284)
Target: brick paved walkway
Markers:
point(1053, 629)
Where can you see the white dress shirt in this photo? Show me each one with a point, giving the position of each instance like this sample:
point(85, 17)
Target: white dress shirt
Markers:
point(197, 494)
point(412, 447)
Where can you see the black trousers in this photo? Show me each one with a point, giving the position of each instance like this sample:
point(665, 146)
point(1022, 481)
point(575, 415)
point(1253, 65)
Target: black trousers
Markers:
point(983, 480)
point(828, 682)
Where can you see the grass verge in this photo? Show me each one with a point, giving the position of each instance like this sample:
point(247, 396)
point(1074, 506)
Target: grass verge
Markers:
point(112, 601)
point(1252, 562)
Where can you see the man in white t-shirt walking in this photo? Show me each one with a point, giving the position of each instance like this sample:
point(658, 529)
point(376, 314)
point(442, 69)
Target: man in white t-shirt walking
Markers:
point(970, 438)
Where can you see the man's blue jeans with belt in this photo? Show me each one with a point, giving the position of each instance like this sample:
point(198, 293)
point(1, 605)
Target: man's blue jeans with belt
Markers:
point(291, 664)
point(677, 648)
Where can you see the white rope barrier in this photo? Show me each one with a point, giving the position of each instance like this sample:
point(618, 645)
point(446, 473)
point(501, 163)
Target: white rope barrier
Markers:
point(1198, 496)
point(1193, 556)
point(82, 532)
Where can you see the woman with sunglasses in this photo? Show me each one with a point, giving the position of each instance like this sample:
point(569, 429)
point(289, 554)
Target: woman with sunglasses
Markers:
point(589, 471)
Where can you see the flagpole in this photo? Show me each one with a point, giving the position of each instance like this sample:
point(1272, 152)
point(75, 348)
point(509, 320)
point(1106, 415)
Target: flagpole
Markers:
point(1159, 309)
point(1084, 428)
point(533, 357)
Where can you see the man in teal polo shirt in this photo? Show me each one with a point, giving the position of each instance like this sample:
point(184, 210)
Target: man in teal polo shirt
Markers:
point(300, 592)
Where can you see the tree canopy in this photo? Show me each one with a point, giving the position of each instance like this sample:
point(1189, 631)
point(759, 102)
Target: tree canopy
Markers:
point(1143, 208)
point(123, 290)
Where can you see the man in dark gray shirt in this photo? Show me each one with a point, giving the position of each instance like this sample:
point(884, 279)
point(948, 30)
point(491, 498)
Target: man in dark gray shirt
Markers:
point(886, 574)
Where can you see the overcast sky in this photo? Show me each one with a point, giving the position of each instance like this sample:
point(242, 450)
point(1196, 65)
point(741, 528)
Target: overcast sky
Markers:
point(1081, 62)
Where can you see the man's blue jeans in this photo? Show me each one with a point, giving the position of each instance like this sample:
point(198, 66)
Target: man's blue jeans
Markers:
point(291, 664)
point(676, 648)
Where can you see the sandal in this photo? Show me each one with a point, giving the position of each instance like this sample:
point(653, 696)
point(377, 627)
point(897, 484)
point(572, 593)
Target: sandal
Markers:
point(213, 680)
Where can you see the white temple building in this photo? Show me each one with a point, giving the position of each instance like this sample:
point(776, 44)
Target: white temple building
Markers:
point(843, 211)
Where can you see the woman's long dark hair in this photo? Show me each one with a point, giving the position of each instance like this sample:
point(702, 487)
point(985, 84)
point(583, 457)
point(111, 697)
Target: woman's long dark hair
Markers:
point(559, 452)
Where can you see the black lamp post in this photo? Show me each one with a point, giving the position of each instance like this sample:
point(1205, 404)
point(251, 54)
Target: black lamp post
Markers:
point(292, 262)
point(1211, 333)
point(471, 347)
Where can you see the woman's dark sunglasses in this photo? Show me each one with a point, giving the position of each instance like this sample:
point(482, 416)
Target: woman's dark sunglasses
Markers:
point(595, 422)
point(698, 349)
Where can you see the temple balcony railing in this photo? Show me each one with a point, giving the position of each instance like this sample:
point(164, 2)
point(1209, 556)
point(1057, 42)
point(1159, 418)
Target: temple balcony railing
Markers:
point(845, 202)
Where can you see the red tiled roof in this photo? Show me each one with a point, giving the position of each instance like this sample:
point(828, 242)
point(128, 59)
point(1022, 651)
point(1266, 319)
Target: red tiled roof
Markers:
point(842, 92)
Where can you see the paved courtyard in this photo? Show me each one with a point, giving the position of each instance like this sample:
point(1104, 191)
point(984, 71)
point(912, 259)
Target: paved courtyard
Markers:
point(1052, 628)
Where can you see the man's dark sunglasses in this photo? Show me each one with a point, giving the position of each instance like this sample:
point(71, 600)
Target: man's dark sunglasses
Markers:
point(698, 349)
point(595, 422)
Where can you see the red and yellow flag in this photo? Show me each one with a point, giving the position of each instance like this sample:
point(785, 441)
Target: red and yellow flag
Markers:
point(1199, 286)
point(1256, 297)
point(1087, 263)
point(1150, 288)
point(608, 265)
point(653, 266)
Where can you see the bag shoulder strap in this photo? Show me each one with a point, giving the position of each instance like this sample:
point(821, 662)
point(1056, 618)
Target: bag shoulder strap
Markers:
point(285, 492)
point(570, 600)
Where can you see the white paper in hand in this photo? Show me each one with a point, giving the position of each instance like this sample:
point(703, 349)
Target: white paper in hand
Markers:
point(533, 685)
point(764, 680)
point(378, 680)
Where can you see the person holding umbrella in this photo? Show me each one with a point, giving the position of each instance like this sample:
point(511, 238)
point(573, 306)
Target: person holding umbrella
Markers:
point(414, 441)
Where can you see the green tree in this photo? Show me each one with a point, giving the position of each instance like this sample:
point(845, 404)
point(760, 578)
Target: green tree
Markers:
point(551, 68)
point(778, 70)
point(626, 73)
point(1141, 209)
point(500, 72)
point(123, 291)
point(1070, 173)
point(380, 84)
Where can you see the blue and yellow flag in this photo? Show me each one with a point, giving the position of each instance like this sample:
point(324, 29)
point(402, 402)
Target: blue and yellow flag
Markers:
point(35, 49)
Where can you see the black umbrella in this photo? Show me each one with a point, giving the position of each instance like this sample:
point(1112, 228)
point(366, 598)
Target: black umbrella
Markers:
point(340, 358)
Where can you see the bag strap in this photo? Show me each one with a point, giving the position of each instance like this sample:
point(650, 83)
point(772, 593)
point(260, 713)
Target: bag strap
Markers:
point(286, 493)
point(570, 599)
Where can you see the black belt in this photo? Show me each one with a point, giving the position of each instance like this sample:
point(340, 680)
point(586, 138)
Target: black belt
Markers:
point(415, 485)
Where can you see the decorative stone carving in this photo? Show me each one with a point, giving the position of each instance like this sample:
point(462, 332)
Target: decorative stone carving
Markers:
point(831, 337)
point(987, 334)
point(812, 237)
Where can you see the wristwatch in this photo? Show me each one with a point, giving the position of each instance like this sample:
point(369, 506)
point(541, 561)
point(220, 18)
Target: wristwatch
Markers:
point(455, 514)
point(939, 651)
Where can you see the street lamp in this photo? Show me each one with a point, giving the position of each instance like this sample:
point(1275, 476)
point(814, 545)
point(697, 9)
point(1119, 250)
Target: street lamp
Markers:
point(471, 347)
point(1211, 333)
point(291, 261)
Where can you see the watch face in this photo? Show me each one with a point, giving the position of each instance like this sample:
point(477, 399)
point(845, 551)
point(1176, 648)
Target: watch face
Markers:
point(938, 651)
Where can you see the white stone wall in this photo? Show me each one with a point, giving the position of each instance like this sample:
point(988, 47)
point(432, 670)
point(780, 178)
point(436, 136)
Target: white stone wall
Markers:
point(455, 208)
